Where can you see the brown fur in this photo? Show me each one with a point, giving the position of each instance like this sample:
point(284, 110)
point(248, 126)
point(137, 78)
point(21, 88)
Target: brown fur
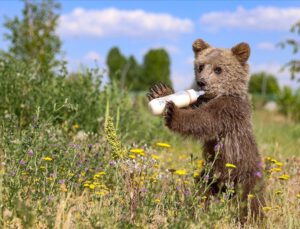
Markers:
point(222, 115)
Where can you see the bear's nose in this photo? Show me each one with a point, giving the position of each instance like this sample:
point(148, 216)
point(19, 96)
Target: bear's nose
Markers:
point(201, 83)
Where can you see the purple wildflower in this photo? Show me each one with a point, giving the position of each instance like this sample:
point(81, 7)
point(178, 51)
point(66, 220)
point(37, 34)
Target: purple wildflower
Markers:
point(258, 174)
point(22, 162)
point(186, 192)
point(30, 152)
point(50, 198)
point(206, 178)
point(218, 146)
point(112, 163)
point(61, 181)
point(144, 190)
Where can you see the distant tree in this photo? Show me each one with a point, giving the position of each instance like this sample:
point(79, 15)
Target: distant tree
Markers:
point(130, 74)
point(294, 64)
point(263, 83)
point(33, 37)
point(116, 64)
point(156, 67)
point(134, 75)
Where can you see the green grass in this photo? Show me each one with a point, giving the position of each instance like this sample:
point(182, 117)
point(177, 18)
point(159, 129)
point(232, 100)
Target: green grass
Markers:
point(60, 169)
point(276, 135)
point(93, 182)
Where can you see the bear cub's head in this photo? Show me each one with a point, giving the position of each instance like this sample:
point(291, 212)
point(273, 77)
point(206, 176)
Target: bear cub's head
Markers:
point(221, 71)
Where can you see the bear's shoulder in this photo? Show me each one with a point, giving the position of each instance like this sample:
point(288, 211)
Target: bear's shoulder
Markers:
point(234, 106)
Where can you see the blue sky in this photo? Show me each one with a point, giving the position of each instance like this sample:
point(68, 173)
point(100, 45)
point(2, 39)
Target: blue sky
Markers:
point(90, 28)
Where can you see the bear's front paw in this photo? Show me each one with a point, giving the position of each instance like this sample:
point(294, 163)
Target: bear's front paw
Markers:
point(159, 90)
point(170, 114)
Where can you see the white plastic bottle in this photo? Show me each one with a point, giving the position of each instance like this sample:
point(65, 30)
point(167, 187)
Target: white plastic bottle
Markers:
point(180, 99)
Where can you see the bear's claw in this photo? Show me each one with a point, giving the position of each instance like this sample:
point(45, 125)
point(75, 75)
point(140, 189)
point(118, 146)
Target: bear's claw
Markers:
point(159, 90)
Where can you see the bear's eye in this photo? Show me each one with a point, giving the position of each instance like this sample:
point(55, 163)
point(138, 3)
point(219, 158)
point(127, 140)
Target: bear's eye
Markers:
point(201, 67)
point(218, 70)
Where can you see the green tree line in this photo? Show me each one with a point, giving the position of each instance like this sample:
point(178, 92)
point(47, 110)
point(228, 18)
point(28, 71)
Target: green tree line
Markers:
point(139, 77)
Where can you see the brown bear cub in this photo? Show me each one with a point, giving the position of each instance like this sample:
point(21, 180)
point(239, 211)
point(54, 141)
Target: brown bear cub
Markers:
point(221, 119)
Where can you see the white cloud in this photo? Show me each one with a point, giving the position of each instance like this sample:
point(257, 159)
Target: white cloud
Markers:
point(92, 55)
point(259, 18)
point(113, 22)
point(283, 76)
point(266, 46)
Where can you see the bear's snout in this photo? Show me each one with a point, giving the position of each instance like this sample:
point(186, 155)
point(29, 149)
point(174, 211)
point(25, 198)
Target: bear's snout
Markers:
point(201, 83)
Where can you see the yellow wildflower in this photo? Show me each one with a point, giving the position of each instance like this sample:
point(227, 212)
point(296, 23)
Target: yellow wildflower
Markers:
point(75, 126)
point(266, 209)
point(278, 163)
point(137, 151)
point(284, 177)
point(157, 200)
point(180, 172)
point(231, 191)
point(47, 159)
point(63, 188)
point(131, 156)
point(274, 161)
point(275, 170)
point(96, 176)
point(268, 158)
point(197, 173)
point(102, 193)
point(186, 182)
point(250, 196)
point(155, 157)
point(92, 186)
point(86, 185)
point(154, 177)
point(228, 165)
point(164, 145)
point(200, 164)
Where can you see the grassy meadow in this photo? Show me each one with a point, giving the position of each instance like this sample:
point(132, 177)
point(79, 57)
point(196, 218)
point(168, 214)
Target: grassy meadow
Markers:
point(75, 153)
point(127, 170)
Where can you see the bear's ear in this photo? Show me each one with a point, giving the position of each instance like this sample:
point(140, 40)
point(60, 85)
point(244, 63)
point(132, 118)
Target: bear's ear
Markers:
point(241, 51)
point(199, 45)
